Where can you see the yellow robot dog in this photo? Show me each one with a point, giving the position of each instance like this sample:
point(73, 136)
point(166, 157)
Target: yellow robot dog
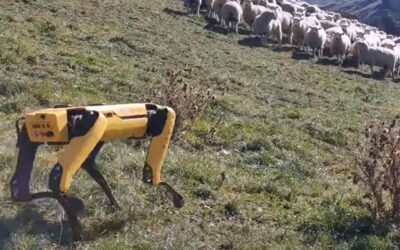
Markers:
point(83, 131)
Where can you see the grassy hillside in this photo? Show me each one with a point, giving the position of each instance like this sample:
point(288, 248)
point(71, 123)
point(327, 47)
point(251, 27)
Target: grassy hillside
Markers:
point(286, 140)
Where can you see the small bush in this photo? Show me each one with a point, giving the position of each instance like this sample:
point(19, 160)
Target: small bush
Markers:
point(379, 169)
point(188, 99)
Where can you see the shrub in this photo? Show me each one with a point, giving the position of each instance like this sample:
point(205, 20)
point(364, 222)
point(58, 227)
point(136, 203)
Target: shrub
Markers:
point(188, 99)
point(379, 169)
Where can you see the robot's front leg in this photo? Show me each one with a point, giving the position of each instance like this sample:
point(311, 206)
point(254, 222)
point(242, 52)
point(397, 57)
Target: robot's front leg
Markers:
point(89, 130)
point(161, 126)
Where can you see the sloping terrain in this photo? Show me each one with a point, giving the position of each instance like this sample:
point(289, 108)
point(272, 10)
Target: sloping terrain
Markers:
point(382, 14)
point(274, 173)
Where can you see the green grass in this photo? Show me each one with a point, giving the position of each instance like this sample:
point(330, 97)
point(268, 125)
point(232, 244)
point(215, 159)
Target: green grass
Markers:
point(285, 126)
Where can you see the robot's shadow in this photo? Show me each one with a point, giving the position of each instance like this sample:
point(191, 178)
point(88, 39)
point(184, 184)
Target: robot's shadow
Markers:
point(29, 222)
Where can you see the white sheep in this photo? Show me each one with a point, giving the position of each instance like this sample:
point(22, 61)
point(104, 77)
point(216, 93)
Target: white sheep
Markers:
point(193, 6)
point(267, 24)
point(218, 5)
point(351, 30)
point(286, 24)
point(231, 13)
point(250, 11)
point(330, 33)
point(340, 46)
point(377, 56)
point(315, 38)
point(300, 27)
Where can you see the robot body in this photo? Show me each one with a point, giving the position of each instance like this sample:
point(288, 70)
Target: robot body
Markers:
point(83, 131)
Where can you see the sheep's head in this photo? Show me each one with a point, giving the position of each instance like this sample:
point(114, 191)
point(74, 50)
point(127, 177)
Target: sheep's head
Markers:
point(248, 3)
point(315, 29)
point(270, 15)
point(296, 22)
point(337, 35)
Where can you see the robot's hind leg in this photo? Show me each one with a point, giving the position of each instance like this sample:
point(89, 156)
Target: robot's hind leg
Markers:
point(90, 167)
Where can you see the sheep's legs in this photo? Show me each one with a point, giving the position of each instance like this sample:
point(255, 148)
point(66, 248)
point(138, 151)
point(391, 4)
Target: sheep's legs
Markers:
point(264, 40)
point(228, 27)
point(372, 69)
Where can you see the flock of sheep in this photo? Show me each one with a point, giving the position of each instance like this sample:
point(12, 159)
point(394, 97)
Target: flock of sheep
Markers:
point(308, 27)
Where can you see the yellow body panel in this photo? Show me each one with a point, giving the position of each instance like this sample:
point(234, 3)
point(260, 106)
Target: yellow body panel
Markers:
point(121, 109)
point(119, 128)
point(44, 126)
point(76, 152)
point(123, 120)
